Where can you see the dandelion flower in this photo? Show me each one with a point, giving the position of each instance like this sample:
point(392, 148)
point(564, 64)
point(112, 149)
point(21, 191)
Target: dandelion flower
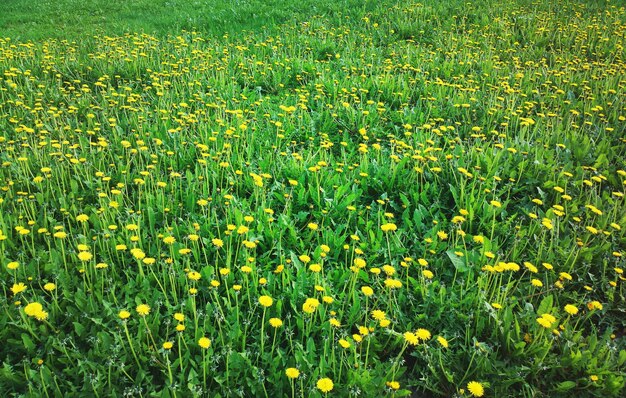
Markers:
point(389, 227)
point(276, 322)
point(394, 385)
point(85, 256)
point(411, 338)
point(193, 275)
point(476, 389)
point(33, 308)
point(292, 373)
point(325, 385)
point(143, 309)
point(310, 305)
point(344, 343)
point(423, 334)
point(266, 301)
point(124, 314)
point(18, 288)
point(378, 315)
point(204, 342)
point(571, 309)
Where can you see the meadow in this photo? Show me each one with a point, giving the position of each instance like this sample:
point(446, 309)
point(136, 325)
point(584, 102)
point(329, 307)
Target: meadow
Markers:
point(311, 199)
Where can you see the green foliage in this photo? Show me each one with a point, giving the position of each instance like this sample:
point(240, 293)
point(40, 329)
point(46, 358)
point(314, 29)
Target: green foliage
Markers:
point(431, 194)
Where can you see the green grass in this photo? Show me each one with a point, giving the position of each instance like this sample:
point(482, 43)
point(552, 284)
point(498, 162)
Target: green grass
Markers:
point(75, 19)
point(408, 199)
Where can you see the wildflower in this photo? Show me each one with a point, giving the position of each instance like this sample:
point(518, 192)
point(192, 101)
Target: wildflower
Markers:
point(143, 309)
point(359, 263)
point(394, 385)
point(204, 342)
point(304, 258)
point(325, 385)
point(310, 305)
point(411, 338)
point(276, 322)
point(82, 218)
point(194, 276)
point(536, 283)
point(13, 265)
point(49, 286)
point(546, 222)
point(179, 317)
point(168, 240)
point(571, 309)
point(378, 315)
point(41, 315)
point(315, 268)
point(594, 305)
point(292, 373)
point(266, 301)
point(475, 388)
point(18, 288)
point(168, 345)
point(393, 283)
point(33, 308)
point(388, 227)
point(123, 314)
point(495, 203)
point(442, 340)
point(85, 256)
point(367, 291)
point(423, 334)
point(344, 343)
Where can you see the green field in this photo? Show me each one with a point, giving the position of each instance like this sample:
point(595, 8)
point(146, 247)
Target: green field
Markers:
point(315, 198)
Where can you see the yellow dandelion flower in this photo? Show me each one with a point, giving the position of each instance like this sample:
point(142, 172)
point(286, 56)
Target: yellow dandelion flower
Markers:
point(18, 288)
point(266, 301)
point(143, 309)
point(204, 342)
point(571, 309)
point(423, 334)
point(276, 322)
point(476, 389)
point(325, 385)
point(292, 373)
point(389, 227)
point(85, 256)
